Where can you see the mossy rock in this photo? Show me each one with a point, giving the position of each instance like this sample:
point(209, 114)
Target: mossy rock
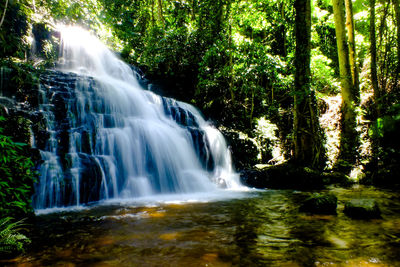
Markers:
point(283, 176)
point(362, 209)
point(337, 178)
point(320, 204)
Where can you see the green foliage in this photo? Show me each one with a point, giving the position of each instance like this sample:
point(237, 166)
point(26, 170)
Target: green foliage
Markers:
point(323, 76)
point(324, 37)
point(213, 52)
point(233, 59)
point(16, 177)
point(20, 80)
point(244, 74)
point(45, 44)
point(79, 12)
point(14, 31)
point(382, 126)
point(387, 126)
point(11, 238)
point(167, 52)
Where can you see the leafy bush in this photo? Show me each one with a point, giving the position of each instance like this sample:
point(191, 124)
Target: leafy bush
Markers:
point(20, 80)
point(13, 32)
point(387, 127)
point(323, 76)
point(11, 239)
point(16, 177)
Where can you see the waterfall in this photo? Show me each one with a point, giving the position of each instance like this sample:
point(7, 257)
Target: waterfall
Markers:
point(109, 138)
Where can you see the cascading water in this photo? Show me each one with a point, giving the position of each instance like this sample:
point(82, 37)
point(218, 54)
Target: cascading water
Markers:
point(108, 138)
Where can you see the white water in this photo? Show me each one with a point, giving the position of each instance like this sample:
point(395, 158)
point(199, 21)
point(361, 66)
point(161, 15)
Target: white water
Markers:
point(136, 146)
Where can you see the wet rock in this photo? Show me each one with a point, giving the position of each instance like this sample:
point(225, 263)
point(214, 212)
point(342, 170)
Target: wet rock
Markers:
point(386, 176)
point(290, 176)
point(90, 179)
point(6, 86)
point(202, 147)
point(3, 110)
point(337, 178)
point(254, 178)
point(362, 209)
point(46, 43)
point(17, 127)
point(320, 204)
point(244, 151)
point(180, 115)
point(283, 176)
point(6, 103)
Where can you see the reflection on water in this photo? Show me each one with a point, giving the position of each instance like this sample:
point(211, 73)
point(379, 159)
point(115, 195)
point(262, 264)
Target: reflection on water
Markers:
point(264, 229)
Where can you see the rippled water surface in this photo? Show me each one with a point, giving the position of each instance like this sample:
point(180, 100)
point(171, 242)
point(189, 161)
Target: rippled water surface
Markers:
point(264, 228)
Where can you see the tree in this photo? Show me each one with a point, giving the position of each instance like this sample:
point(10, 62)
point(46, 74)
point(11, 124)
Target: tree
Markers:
point(306, 137)
point(374, 76)
point(348, 139)
point(352, 48)
point(4, 13)
point(160, 13)
point(397, 12)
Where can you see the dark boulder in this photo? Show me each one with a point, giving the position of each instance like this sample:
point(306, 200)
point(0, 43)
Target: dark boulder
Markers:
point(255, 178)
point(244, 150)
point(291, 176)
point(362, 209)
point(283, 176)
point(320, 204)
point(337, 178)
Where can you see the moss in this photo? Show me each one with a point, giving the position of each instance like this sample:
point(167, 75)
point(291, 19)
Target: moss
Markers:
point(320, 204)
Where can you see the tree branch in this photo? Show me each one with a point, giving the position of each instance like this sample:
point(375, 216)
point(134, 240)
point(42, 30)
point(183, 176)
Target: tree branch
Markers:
point(4, 14)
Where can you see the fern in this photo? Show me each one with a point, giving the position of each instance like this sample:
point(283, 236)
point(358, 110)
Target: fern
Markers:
point(11, 240)
point(17, 176)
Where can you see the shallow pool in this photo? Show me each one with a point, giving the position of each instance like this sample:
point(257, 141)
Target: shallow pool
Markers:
point(258, 228)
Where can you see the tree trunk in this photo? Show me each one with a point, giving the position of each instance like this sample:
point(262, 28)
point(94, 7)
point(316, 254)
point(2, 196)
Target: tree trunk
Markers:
point(352, 49)
point(152, 13)
point(348, 138)
point(194, 5)
point(374, 76)
point(374, 81)
point(306, 137)
point(230, 51)
point(160, 13)
point(380, 47)
point(397, 11)
point(284, 45)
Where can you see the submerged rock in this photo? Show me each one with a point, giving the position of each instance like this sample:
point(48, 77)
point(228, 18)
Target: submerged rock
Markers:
point(320, 204)
point(362, 209)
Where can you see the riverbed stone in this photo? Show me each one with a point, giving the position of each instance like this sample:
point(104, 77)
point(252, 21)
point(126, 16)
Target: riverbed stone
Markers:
point(362, 209)
point(320, 204)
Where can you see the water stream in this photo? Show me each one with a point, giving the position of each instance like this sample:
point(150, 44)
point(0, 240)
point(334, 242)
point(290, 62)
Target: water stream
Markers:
point(255, 228)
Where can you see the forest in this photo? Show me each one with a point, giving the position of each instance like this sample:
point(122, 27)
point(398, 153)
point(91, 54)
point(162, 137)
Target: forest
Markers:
point(304, 92)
